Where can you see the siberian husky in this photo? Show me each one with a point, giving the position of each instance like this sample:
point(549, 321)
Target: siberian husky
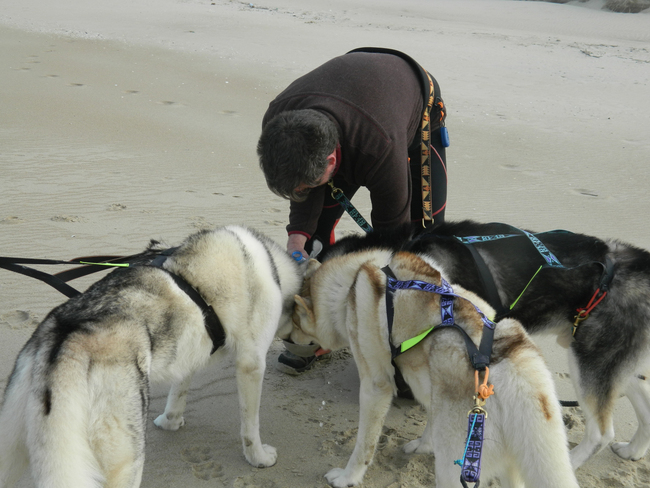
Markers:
point(343, 303)
point(609, 354)
point(76, 403)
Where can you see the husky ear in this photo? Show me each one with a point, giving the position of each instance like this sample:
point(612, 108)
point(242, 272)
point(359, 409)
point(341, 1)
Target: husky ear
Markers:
point(304, 307)
point(312, 267)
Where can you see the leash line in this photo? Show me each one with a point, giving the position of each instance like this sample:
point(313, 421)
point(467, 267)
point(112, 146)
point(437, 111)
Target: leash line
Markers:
point(460, 461)
point(525, 288)
point(211, 320)
point(339, 196)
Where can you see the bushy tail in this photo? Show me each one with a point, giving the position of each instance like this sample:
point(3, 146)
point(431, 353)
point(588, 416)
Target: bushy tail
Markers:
point(44, 422)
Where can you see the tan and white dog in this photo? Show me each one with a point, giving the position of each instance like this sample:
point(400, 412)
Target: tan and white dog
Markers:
point(76, 405)
point(343, 304)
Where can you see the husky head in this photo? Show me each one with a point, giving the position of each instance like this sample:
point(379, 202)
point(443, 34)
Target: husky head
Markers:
point(304, 320)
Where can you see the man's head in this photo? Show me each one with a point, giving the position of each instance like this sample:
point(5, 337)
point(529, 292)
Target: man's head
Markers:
point(296, 152)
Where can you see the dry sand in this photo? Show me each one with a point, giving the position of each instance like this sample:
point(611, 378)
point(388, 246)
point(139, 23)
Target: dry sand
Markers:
point(123, 121)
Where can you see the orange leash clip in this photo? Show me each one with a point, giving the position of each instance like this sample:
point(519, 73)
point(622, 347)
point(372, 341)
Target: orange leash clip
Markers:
point(483, 391)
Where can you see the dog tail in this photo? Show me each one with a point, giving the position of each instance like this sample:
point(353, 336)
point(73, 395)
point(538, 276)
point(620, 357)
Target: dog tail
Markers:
point(532, 417)
point(43, 423)
point(58, 414)
point(14, 457)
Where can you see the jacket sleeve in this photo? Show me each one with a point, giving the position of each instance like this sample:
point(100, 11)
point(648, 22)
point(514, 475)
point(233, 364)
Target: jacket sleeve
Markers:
point(303, 216)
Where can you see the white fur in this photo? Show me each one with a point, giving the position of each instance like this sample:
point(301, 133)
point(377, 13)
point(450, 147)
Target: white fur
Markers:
point(525, 441)
point(93, 436)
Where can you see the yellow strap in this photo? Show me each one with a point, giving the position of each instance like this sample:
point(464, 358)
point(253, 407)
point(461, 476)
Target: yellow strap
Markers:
point(406, 345)
point(116, 265)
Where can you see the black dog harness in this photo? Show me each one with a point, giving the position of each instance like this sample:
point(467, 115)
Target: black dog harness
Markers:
point(213, 325)
point(549, 261)
point(479, 357)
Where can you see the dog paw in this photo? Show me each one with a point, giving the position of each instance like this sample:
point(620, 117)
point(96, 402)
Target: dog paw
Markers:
point(417, 447)
point(339, 478)
point(264, 458)
point(166, 423)
point(624, 450)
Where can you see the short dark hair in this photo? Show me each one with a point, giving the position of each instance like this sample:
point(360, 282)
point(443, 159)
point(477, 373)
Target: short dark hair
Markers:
point(293, 150)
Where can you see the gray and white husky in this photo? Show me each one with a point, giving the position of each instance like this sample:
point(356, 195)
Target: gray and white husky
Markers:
point(609, 354)
point(76, 403)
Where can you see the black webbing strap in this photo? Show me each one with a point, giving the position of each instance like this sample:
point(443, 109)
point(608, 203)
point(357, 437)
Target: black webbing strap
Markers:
point(88, 265)
point(609, 268)
point(93, 264)
point(84, 270)
point(55, 282)
point(487, 280)
point(213, 325)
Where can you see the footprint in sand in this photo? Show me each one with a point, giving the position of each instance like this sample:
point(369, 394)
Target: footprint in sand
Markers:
point(12, 220)
point(207, 471)
point(196, 454)
point(18, 319)
point(67, 218)
point(253, 482)
point(201, 223)
point(115, 207)
point(200, 457)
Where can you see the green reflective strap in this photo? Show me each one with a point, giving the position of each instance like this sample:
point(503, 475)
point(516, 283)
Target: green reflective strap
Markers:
point(526, 287)
point(117, 265)
point(406, 345)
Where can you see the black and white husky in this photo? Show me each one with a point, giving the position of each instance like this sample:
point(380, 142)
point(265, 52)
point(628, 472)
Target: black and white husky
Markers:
point(76, 403)
point(609, 355)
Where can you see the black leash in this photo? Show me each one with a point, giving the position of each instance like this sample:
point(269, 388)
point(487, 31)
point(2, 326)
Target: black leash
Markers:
point(59, 280)
point(93, 264)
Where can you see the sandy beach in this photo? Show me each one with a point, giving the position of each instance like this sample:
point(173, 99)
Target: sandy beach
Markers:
point(125, 121)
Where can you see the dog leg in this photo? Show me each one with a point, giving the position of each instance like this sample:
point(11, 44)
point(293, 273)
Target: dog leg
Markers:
point(374, 401)
point(250, 373)
point(638, 392)
point(512, 479)
point(172, 418)
point(599, 424)
point(423, 445)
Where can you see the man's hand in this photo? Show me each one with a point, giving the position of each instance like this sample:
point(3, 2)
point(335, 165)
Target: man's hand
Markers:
point(297, 242)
